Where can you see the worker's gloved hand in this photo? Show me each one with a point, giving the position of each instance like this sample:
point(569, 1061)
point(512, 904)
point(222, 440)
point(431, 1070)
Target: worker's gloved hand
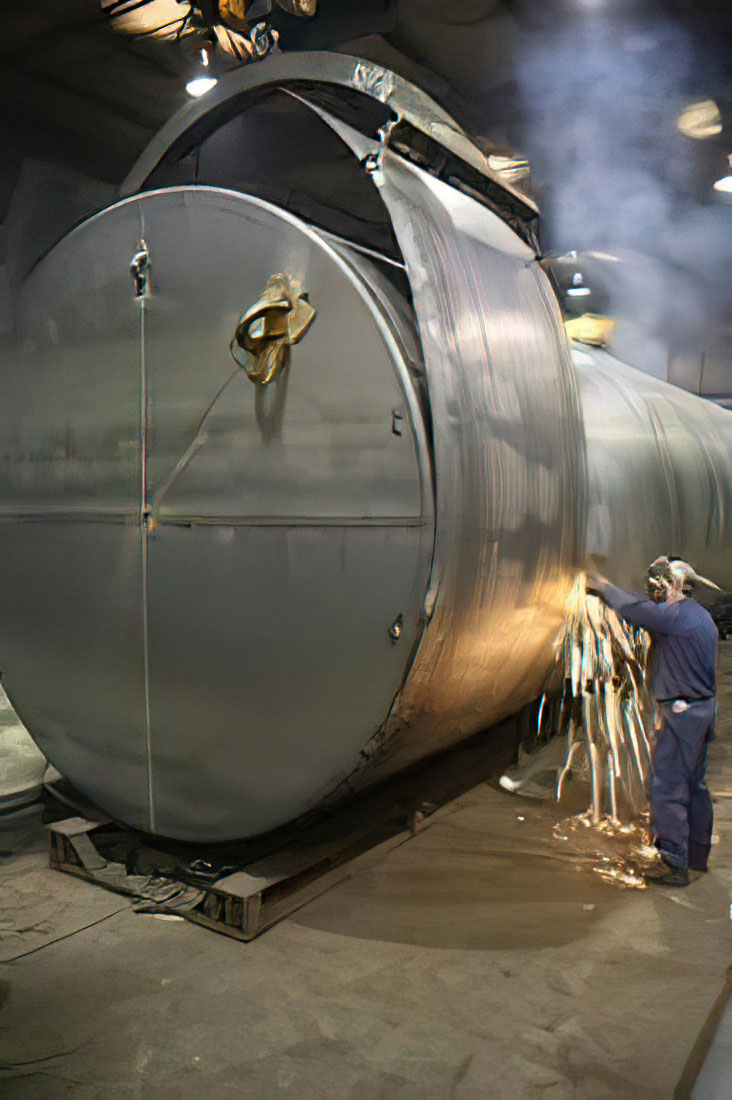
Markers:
point(594, 584)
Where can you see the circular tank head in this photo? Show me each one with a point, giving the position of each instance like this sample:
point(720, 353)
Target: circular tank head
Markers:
point(213, 582)
point(218, 503)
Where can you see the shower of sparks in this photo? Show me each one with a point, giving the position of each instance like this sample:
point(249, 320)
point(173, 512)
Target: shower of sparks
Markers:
point(605, 708)
point(606, 715)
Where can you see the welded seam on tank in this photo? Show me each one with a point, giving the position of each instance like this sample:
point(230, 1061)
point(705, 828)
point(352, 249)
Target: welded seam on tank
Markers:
point(292, 521)
point(224, 520)
point(65, 515)
point(143, 548)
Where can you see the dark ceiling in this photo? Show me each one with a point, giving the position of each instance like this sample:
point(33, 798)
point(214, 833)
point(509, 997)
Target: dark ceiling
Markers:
point(589, 90)
point(78, 93)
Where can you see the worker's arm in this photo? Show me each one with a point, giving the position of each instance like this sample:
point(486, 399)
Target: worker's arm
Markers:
point(637, 608)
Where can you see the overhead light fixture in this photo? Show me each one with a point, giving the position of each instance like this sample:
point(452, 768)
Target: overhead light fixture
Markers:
point(577, 290)
point(606, 257)
point(240, 28)
point(700, 120)
point(725, 183)
point(204, 82)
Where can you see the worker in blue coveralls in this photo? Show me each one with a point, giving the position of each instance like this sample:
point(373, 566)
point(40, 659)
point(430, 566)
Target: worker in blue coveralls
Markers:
point(682, 667)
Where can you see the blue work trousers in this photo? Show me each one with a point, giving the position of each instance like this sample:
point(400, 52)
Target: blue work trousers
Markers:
point(681, 806)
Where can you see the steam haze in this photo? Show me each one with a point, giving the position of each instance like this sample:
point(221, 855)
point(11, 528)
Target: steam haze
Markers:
point(591, 91)
point(603, 96)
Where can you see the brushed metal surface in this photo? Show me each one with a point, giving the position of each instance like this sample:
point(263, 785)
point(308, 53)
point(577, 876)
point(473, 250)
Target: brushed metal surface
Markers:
point(57, 452)
point(659, 472)
point(71, 653)
point(270, 665)
point(233, 609)
point(286, 546)
point(70, 549)
point(509, 465)
point(199, 578)
point(316, 444)
point(406, 101)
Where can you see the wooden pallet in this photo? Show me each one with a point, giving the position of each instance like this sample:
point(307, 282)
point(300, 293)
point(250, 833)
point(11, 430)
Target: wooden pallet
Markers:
point(241, 904)
point(264, 880)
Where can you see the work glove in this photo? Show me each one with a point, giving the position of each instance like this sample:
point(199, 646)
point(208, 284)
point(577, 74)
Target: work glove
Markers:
point(594, 584)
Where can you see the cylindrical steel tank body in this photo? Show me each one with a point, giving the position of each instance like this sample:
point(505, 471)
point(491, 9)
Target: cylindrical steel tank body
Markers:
point(224, 603)
point(659, 471)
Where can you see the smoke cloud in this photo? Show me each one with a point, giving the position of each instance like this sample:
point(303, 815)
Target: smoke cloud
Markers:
point(591, 92)
point(601, 96)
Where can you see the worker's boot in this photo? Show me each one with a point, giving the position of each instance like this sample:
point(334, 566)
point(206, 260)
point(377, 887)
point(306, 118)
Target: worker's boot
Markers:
point(698, 856)
point(667, 874)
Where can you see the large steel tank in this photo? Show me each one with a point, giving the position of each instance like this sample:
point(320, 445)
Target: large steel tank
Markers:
point(225, 602)
point(659, 471)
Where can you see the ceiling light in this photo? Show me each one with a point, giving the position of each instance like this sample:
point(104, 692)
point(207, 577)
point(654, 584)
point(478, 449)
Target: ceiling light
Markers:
point(725, 184)
point(578, 291)
point(700, 120)
point(200, 85)
point(607, 257)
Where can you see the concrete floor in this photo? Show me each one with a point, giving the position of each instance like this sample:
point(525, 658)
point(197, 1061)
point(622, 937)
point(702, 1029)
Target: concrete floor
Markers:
point(481, 960)
point(714, 1081)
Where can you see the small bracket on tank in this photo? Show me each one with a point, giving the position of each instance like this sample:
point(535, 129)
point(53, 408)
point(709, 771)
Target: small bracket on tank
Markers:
point(397, 422)
point(396, 629)
point(139, 267)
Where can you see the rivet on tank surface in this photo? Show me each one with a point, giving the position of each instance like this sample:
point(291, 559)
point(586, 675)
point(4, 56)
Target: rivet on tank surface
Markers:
point(139, 265)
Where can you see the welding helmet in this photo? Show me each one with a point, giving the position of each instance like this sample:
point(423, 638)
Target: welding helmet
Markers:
point(667, 575)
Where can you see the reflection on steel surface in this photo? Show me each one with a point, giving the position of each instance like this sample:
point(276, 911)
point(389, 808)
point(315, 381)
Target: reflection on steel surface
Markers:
point(508, 466)
point(224, 604)
point(373, 80)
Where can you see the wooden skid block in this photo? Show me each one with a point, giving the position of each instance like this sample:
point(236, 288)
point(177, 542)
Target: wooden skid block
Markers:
point(267, 878)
